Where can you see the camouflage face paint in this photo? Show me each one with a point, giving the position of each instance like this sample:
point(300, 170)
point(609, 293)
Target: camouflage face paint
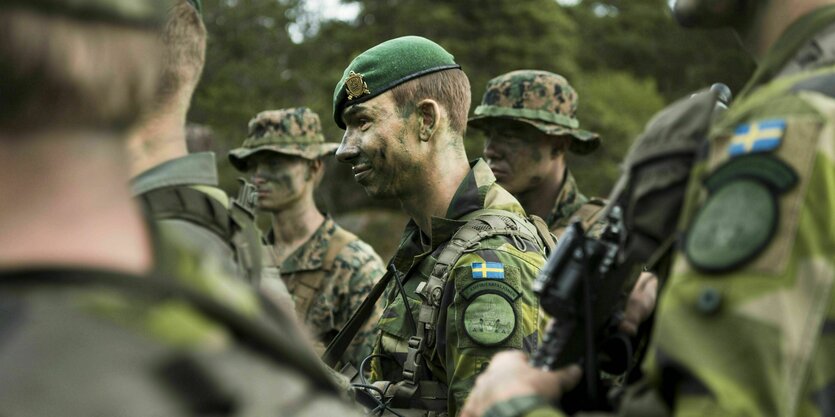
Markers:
point(378, 145)
point(281, 180)
point(517, 157)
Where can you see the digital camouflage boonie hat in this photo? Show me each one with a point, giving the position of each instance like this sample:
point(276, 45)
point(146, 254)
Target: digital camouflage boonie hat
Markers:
point(541, 99)
point(386, 66)
point(295, 131)
point(150, 13)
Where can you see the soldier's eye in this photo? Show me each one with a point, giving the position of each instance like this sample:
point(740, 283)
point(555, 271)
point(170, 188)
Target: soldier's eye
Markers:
point(364, 123)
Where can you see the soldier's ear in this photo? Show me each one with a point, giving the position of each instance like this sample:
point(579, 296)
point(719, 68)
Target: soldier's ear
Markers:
point(429, 113)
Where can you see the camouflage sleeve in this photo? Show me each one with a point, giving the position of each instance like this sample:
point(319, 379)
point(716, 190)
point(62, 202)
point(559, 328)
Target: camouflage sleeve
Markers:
point(493, 309)
point(357, 268)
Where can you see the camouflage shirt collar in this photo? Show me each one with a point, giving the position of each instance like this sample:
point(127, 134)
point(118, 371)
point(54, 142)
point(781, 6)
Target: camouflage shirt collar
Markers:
point(309, 256)
point(477, 191)
point(193, 169)
point(568, 201)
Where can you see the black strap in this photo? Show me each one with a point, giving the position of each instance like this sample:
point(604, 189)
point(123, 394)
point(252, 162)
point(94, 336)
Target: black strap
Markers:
point(337, 347)
point(252, 333)
point(188, 204)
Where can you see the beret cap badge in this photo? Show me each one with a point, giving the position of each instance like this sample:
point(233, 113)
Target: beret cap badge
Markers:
point(356, 86)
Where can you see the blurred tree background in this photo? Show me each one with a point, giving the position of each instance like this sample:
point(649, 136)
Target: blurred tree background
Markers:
point(626, 58)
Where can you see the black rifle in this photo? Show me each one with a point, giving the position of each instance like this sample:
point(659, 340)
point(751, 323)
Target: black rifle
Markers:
point(583, 291)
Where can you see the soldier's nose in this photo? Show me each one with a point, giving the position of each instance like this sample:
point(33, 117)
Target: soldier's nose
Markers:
point(346, 152)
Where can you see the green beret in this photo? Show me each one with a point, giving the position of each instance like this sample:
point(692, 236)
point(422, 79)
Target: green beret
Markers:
point(386, 66)
point(130, 12)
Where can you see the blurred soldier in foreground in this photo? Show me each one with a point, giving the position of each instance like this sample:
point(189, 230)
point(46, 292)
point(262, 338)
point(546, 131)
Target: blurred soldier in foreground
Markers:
point(462, 274)
point(746, 323)
point(179, 189)
point(89, 326)
point(327, 269)
point(528, 118)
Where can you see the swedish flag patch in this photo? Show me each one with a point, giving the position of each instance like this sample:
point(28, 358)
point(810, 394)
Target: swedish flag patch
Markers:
point(757, 137)
point(489, 270)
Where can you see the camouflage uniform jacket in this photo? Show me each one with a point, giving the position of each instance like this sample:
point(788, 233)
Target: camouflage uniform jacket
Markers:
point(329, 276)
point(571, 202)
point(86, 342)
point(746, 322)
point(481, 312)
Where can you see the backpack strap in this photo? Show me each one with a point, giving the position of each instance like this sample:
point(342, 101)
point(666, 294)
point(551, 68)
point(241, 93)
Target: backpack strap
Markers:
point(307, 284)
point(234, 225)
point(187, 204)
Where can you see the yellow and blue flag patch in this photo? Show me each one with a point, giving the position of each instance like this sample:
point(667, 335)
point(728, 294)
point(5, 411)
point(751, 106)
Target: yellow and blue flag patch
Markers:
point(489, 270)
point(756, 137)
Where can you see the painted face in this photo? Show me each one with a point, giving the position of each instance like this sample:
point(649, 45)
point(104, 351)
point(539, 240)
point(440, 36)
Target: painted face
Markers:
point(281, 180)
point(380, 143)
point(519, 157)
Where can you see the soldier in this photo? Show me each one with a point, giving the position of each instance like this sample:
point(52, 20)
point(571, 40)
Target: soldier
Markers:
point(468, 255)
point(328, 270)
point(529, 120)
point(745, 323)
point(180, 190)
point(90, 327)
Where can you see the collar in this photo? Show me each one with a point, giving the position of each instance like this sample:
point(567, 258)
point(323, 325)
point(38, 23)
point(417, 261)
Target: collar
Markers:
point(568, 200)
point(193, 169)
point(796, 36)
point(309, 256)
point(477, 191)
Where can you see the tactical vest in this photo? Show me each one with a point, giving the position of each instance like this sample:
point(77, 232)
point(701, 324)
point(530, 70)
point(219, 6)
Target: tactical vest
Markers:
point(416, 394)
point(306, 285)
point(235, 225)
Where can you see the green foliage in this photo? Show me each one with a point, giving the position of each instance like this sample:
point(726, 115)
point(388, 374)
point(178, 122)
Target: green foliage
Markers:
point(616, 105)
point(622, 57)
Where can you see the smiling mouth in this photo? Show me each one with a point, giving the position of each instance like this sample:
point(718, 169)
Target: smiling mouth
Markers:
point(361, 171)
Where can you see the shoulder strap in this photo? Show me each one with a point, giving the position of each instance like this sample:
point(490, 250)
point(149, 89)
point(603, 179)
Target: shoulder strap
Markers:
point(542, 230)
point(339, 240)
point(247, 241)
point(263, 339)
point(186, 203)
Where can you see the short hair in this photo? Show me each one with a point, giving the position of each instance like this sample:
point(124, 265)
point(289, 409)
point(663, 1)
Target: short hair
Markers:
point(184, 50)
point(58, 72)
point(450, 88)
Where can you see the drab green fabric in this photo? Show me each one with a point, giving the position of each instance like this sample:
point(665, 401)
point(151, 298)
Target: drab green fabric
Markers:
point(132, 12)
point(547, 116)
point(787, 46)
point(388, 65)
point(766, 168)
point(736, 223)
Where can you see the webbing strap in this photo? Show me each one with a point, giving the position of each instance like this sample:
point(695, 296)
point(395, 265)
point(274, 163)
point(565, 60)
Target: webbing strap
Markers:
point(188, 204)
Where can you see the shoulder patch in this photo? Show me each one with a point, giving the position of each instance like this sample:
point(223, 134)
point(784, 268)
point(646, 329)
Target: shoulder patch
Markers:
point(762, 136)
point(487, 270)
point(741, 214)
point(489, 319)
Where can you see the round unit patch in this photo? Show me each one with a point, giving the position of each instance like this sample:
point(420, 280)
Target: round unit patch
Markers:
point(489, 319)
point(735, 224)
